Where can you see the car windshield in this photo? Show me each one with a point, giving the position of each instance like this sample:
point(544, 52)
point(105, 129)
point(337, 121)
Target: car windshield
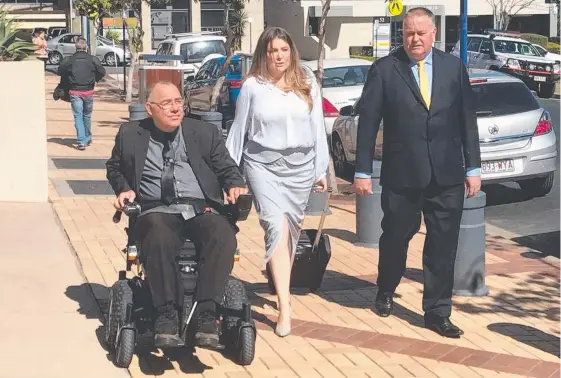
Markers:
point(344, 76)
point(236, 67)
point(495, 99)
point(197, 51)
point(514, 47)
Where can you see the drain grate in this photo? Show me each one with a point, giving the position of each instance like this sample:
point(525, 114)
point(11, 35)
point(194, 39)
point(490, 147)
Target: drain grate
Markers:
point(90, 187)
point(65, 163)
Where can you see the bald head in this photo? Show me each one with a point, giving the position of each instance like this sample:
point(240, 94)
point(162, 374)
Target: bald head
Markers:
point(165, 106)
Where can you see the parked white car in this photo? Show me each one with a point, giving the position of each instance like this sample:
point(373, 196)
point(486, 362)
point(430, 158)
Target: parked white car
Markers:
point(65, 45)
point(343, 80)
point(516, 136)
point(547, 54)
point(193, 47)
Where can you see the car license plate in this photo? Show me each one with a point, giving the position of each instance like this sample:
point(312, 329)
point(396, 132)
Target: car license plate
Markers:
point(539, 78)
point(497, 166)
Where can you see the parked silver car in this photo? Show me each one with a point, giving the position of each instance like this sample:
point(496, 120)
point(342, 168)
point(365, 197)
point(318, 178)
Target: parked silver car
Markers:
point(64, 45)
point(518, 143)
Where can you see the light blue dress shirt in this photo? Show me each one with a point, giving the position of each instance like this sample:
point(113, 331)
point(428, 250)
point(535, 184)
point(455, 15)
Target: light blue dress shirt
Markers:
point(428, 71)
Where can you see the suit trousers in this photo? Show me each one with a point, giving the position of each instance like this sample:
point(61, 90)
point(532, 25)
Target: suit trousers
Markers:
point(441, 207)
point(161, 235)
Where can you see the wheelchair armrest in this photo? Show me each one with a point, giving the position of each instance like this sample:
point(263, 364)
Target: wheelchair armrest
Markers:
point(240, 210)
point(131, 209)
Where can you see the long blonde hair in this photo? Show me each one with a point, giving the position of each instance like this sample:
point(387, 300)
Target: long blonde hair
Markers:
point(295, 76)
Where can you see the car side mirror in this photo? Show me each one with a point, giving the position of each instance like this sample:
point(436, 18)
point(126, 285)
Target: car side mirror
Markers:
point(346, 111)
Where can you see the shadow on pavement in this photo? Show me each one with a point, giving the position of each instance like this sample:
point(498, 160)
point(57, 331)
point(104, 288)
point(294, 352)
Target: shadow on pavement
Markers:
point(528, 335)
point(345, 290)
point(498, 194)
point(513, 302)
point(547, 243)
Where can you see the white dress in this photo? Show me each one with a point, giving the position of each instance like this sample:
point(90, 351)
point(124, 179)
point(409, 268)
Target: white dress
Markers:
point(284, 150)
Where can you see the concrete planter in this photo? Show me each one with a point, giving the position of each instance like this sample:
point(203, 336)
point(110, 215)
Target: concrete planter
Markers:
point(23, 135)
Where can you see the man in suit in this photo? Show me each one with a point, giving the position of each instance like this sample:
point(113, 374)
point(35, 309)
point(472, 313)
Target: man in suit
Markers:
point(430, 161)
point(178, 170)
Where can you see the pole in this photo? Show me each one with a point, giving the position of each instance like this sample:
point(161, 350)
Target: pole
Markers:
point(376, 53)
point(463, 30)
point(124, 55)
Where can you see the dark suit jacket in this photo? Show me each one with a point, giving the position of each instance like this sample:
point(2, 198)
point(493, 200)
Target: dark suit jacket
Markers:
point(212, 165)
point(418, 142)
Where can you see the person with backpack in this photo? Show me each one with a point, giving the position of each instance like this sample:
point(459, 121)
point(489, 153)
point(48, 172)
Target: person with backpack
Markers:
point(81, 72)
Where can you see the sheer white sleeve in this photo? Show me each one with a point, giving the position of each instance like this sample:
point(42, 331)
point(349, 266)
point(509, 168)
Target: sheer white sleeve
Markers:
point(321, 147)
point(236, 136)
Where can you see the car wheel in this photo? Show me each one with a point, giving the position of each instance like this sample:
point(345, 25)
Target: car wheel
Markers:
point(339, 159)
point(546, 90)
point(111, 59)
point(55, 57)
point(538, 187)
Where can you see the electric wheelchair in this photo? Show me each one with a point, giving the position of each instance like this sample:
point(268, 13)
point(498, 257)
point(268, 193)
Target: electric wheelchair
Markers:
point(131, 312)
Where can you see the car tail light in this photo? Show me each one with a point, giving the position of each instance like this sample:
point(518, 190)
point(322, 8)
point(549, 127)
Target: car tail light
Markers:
point(234, 84)
point(328, 109)
point(544, 125)
point(477, 81)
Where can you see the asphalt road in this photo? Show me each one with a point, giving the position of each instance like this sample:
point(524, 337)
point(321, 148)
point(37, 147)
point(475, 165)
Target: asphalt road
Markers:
point(534, 221)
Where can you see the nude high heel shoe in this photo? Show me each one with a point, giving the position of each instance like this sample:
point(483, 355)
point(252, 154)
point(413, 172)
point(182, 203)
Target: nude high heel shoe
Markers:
point(285, 329)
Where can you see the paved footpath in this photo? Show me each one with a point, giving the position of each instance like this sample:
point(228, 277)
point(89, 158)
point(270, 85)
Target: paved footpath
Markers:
point(512, 332)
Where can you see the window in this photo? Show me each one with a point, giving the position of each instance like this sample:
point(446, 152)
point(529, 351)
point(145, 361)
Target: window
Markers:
point(235, 67)
point(344, 76)
point(164, 49)
point(67, 39)
point(503, 98)
point(473, 44)
point(485, 47)
point(313, 26)
point(514, 47)
point(541, 50)
point(203, 71)
point(197, 51)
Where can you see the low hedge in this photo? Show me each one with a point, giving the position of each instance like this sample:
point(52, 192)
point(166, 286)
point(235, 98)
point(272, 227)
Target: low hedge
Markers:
point(370, 58)
point(535, 38)
point(553, 47)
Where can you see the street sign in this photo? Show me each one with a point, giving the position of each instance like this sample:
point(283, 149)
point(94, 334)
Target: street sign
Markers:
point(395, 7)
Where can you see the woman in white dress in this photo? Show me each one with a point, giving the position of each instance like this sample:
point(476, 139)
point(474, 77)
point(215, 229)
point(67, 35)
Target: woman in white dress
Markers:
point(279, 131)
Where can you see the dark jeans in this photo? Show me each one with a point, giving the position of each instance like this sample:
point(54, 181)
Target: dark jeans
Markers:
point(160, 239)
point(82, 109)
point(442, 208)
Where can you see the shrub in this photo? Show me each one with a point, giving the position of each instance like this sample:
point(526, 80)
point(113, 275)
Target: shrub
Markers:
point(553, 47)
point(535, 38)
point(370, 58)
point(11, 47)
point(113, 35)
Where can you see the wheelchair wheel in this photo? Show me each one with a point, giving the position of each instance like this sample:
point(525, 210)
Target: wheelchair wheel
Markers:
point(125, 347)
point(119, 296)
point(246, 346)
point(239, 335)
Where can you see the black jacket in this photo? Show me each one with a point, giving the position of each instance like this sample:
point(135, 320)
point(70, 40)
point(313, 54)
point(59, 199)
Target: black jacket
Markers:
point(82, 71)
point(418, 142)
point(212, 165)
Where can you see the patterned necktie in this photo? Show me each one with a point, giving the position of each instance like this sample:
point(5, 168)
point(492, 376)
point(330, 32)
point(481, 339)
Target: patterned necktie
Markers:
point(423, 82)
point(168, 190)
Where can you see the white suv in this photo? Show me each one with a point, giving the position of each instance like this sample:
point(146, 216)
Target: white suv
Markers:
point(517, 57)
point(193, 47)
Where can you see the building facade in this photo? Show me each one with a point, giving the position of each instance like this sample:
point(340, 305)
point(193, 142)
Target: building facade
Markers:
point(351, 23)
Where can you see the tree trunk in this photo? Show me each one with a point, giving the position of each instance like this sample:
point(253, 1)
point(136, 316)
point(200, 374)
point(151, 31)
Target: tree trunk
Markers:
point(325, 6)
point(130, 74)
point(229, 53)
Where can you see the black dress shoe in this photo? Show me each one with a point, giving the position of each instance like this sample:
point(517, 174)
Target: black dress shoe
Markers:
point(384, 305)
point(443, 326)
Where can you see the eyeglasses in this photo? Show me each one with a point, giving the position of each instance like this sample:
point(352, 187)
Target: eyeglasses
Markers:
point(169, 104)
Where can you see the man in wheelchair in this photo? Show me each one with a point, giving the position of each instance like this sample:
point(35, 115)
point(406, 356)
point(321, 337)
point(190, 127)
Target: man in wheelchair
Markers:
point(178, 170)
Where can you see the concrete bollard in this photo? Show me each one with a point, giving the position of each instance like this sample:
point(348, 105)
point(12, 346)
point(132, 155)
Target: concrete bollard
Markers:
point(137, 112)
point(369, 213)
point(469, 271)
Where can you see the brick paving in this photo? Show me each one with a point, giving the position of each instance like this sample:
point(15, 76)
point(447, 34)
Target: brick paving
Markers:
point(512, 332)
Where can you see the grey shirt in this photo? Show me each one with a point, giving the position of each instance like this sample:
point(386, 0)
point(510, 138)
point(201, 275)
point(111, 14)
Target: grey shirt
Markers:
point(185, 182)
